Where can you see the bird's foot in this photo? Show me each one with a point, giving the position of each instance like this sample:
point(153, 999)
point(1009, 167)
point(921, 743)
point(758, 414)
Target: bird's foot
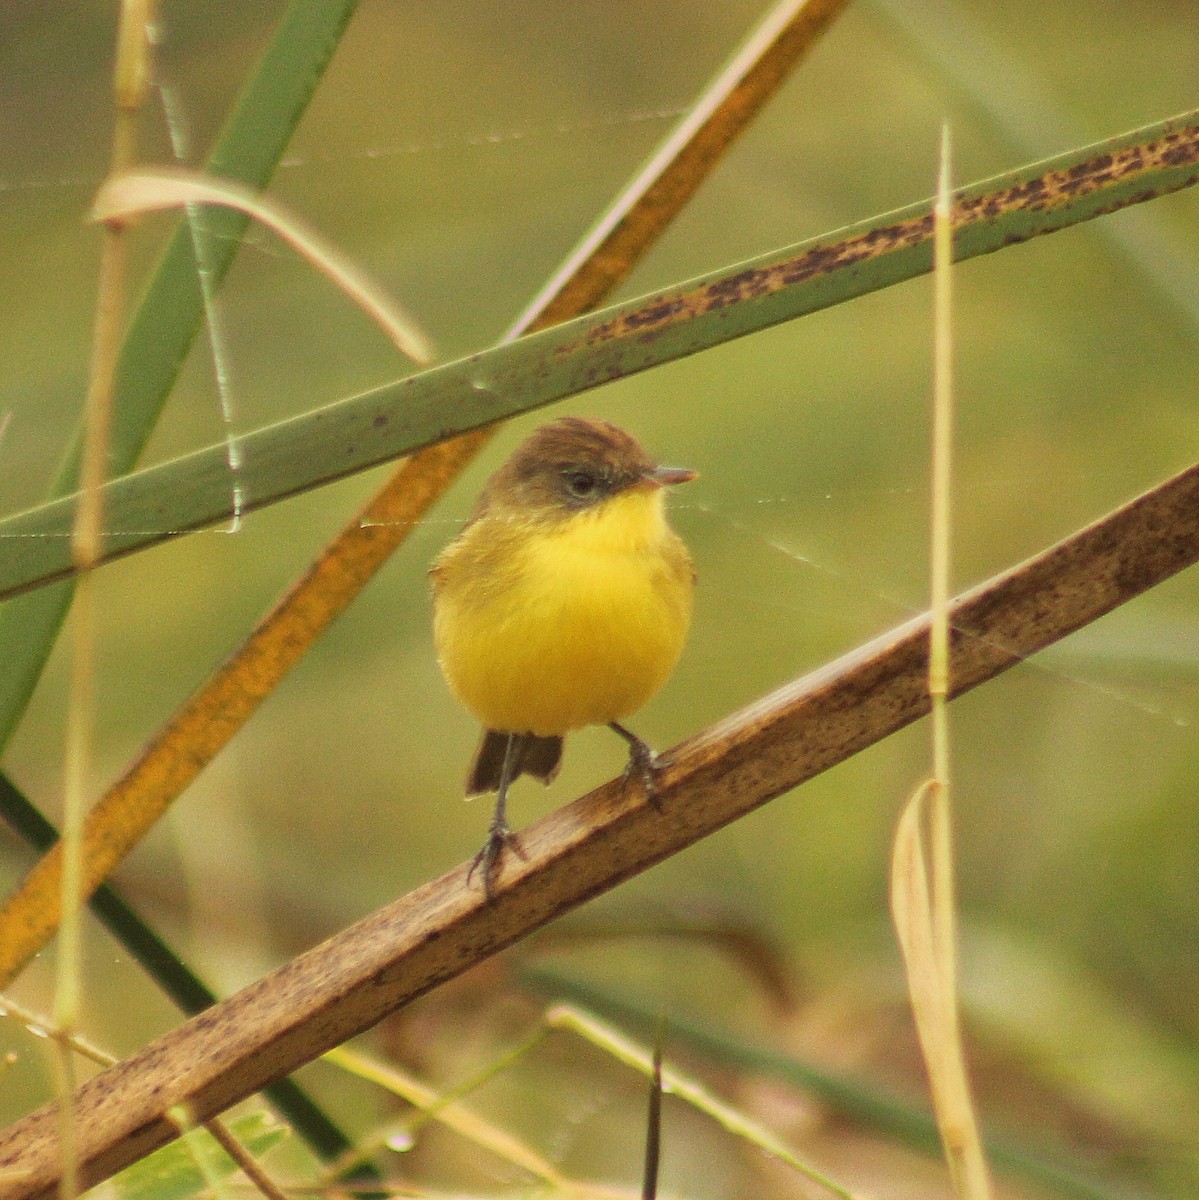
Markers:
point(643, 762)
point(499, 838)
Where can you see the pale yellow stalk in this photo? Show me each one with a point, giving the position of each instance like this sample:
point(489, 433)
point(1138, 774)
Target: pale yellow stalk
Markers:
point(922, 874)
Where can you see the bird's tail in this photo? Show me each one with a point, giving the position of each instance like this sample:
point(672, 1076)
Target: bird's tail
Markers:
point(537, 756)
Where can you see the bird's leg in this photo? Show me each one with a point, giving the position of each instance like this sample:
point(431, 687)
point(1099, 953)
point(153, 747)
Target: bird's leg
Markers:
point(641, 759)
point(498, 833)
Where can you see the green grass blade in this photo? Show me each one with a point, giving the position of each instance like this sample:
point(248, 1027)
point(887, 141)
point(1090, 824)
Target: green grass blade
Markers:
point(328, 443)
point(170, 313)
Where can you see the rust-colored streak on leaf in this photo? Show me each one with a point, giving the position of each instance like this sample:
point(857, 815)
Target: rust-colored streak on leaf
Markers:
point(756, 282)
point(1179, 148)
point(1050, 190)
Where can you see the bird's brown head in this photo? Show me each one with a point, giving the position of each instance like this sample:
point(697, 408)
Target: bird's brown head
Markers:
point(571, 464)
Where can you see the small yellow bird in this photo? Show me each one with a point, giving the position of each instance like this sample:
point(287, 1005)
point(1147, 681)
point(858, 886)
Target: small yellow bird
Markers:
point(563, 602)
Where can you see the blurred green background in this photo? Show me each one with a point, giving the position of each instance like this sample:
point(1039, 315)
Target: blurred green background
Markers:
point(457, 151)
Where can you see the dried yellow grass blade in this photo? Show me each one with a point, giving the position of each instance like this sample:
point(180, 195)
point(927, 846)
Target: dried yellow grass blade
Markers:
point(139, 192)
point(131, 75)
point(934, 1006)
point(912, 911)
point(922, 888)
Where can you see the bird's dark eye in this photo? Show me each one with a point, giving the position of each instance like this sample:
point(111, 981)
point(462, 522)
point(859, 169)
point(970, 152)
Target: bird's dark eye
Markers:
point(580, 484)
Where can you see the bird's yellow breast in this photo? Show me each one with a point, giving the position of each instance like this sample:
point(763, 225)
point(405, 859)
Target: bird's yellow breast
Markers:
point(544, 627)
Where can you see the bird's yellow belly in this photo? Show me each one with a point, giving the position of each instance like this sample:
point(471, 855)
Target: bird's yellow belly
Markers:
point(573, 638)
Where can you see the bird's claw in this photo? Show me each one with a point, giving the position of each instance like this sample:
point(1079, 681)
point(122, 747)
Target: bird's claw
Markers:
point(645, 763)
point(499, 837)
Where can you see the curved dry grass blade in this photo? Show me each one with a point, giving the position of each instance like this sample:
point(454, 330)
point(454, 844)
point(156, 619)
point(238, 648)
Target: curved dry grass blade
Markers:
point(435, 933)
point(206, 722)
point(171, 309)
point(139, 192)
point(914, 903)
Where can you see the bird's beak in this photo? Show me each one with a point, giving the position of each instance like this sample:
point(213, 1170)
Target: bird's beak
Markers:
point(665, 476)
